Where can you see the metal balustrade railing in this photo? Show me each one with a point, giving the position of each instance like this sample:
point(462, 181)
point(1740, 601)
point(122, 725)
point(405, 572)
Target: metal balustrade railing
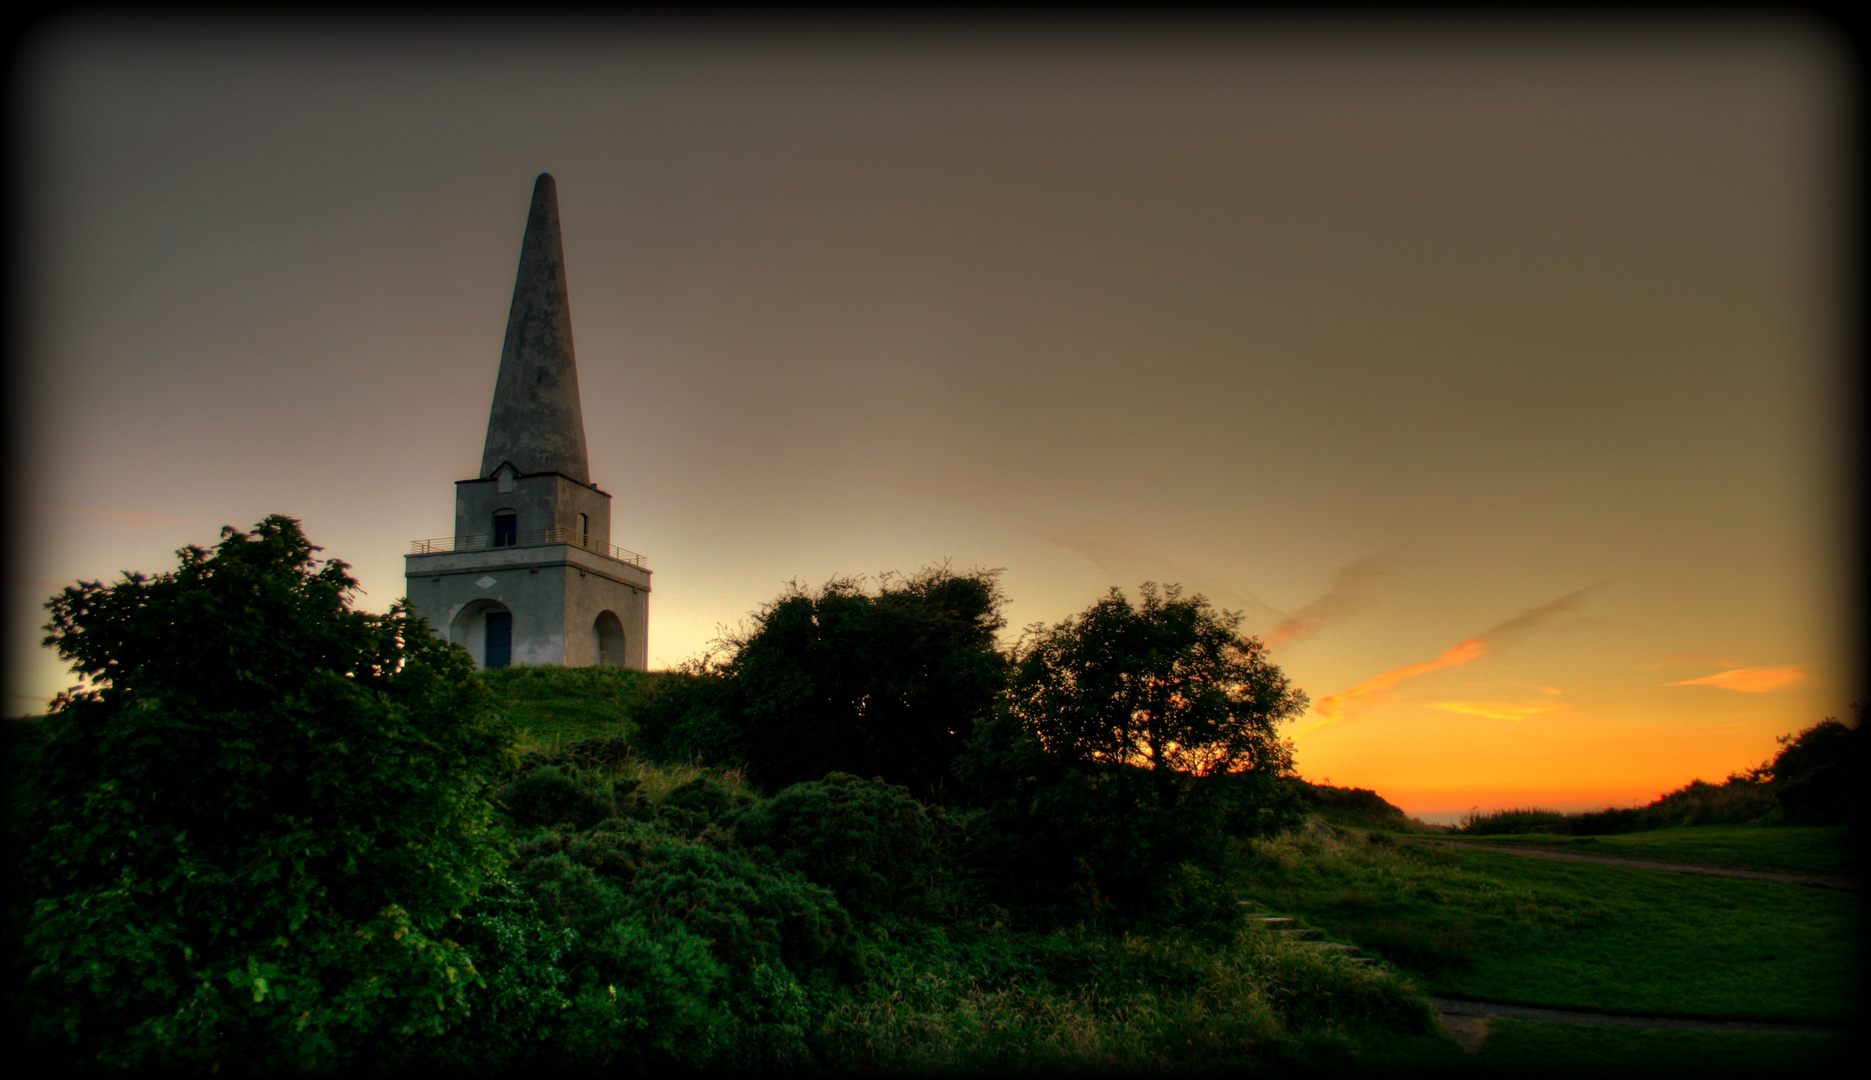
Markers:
point(539, 538)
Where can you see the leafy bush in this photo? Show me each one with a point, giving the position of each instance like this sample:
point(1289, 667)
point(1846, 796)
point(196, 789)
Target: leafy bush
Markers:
point(1819, 774)
point(598, 752)
point(252, 827)
point(1742, 799)
point(887, 683)
point(1529, 819)
point(703, 797)
point(550, 795)
point(691, 716)
point(1135, 737)
point(530, 1012)
point(1359, 807)
point(698, 807)
point(680, 953)
point(869, 842)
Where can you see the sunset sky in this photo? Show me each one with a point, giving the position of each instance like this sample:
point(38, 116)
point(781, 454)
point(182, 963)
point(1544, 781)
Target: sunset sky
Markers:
point(1495, 372)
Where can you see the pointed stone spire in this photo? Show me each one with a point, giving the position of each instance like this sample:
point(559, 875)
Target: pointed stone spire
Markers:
point(536, 422)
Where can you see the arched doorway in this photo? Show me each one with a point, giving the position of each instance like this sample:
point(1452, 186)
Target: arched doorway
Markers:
point(485, 629)
point(610, 634)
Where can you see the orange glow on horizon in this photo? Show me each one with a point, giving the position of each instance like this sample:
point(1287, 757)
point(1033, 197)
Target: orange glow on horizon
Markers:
point(1754, 680)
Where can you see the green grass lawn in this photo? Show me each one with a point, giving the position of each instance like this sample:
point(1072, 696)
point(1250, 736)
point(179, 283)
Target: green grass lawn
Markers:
point(1816, 849)
point(552, 705)
point(1496, 927)
point(1516, 1048)
point(1531, 1048)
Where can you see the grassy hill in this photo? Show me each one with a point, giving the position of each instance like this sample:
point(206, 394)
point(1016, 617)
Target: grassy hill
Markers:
point(1497, 927)
point(973, 995)
point(552, 705)
point(1811, 849)
point(1360, 808)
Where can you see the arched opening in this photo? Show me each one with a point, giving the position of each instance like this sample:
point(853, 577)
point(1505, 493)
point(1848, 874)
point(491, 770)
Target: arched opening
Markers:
point(610, 633)
point(485, 629)
point(499, 635)
point(506, 528)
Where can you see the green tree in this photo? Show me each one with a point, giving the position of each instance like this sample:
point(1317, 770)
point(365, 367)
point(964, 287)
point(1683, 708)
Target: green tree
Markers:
point(255, 820)
point(1134, 737)
point(1167, 685)
point(887, 683)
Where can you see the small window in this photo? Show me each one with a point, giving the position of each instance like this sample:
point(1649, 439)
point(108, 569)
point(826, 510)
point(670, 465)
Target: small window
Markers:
point(506, 528)
point(584, 530)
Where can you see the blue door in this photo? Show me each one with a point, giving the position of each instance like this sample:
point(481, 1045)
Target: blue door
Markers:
point(499, 639)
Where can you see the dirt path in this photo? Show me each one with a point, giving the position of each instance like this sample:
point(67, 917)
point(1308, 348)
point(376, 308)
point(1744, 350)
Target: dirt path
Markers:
point(1824, 881)
point(1458, 1008)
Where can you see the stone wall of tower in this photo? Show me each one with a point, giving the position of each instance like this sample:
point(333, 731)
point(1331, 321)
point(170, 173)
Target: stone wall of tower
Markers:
point(555, 593)
point(542, 501)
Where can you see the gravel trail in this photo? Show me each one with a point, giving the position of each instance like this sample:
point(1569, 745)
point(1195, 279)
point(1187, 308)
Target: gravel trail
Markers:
point(1461, 1008)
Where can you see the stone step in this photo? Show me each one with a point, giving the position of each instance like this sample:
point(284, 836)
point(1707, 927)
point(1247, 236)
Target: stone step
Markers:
point(1276, 922)
point(1297, 934)
point(1364, 959)
point(1335, 946)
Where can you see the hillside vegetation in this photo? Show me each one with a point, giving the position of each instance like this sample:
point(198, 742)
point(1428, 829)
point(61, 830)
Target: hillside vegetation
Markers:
point(270, 832)
point(318, 839)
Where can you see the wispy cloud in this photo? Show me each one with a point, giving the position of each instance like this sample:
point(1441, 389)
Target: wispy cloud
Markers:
point(1350, 593)
point(1332, 706)
point(1751, 680)
point(1503, 710)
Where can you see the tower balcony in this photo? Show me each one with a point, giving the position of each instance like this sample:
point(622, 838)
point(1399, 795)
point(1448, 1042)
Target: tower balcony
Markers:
point(447, 545)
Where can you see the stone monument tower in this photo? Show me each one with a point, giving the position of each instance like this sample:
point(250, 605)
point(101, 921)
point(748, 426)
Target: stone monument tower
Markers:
point(531, 576)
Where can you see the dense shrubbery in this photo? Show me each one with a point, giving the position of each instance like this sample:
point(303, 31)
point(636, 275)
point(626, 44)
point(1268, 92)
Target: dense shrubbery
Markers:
point(887, 683)
point(826, 925)
point(1135, 738)
point(550, 795)
point(687, 952)
point(875, 847)
point(277, 832)
point(1128, 740)
point(250, 832)
point(1820, 774)
point(1358, 807)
